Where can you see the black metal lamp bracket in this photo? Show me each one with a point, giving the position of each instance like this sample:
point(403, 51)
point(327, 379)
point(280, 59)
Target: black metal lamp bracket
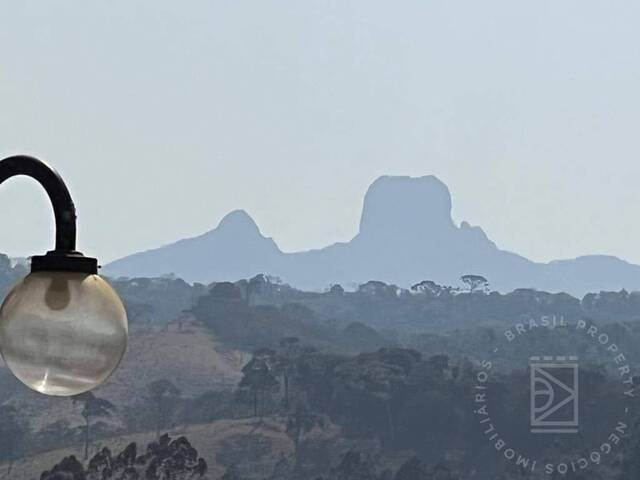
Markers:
point(64, 257)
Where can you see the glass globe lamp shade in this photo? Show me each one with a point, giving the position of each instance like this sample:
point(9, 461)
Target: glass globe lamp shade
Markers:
point(62, 333)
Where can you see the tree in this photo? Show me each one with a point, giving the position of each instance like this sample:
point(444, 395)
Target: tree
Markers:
point(257, 378)
point(177, 459)
point(475, 282)
point(428, 287)
point(370, 387)
point(225, 291)
point(163, 394)
point(13, 433)
point(374, 287)
point(93, 407)
point(68, 469)
point(299, 423)
point(254, 286)
point(164, 459)
point(251, 287)
point(285, 361)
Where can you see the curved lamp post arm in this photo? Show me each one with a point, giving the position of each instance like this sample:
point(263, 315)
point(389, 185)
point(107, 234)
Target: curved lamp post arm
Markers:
point(64, 257)
point(63, 207)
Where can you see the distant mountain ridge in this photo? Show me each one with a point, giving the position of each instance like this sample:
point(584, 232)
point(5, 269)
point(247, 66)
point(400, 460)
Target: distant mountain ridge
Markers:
point(406, 235)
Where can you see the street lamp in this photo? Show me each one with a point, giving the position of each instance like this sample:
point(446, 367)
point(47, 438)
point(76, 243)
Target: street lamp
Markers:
point(63, 329)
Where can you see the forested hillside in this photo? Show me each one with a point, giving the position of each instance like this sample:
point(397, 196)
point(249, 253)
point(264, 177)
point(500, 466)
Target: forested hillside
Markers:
point(265, 381)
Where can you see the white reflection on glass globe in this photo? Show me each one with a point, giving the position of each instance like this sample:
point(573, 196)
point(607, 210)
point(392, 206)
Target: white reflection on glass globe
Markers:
point(62, 333)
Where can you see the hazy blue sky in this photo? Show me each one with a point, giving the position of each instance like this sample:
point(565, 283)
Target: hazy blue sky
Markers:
point(163, 116)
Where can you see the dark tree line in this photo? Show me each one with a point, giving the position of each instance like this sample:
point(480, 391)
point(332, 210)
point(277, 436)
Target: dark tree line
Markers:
point(164, 459)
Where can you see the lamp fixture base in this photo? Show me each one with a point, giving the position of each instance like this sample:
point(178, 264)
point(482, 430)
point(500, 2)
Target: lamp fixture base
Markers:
point(55, 261)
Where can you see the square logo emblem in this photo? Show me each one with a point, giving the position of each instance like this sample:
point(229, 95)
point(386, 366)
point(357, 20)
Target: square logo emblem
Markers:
point(554, 394)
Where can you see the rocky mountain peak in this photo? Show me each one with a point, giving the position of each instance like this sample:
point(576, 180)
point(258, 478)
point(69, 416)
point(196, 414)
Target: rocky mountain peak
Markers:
point(415, 206)
point(237, 222)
